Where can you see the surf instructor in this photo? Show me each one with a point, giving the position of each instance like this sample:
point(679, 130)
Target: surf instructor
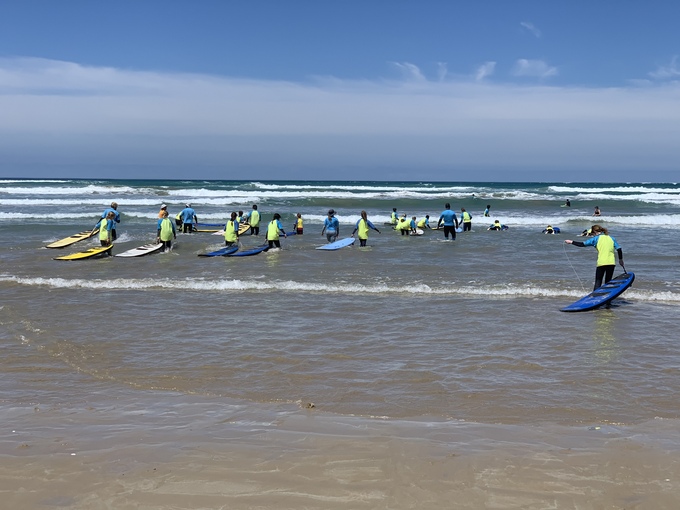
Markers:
point(606, 248)
point(448, 217)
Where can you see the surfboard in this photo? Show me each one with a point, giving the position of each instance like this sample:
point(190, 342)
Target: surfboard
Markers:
point(242, 229)
point(92, 252)
point(418, 232)
point(141, 250)
point(337, 244)
point(68, 241)
point(247, 253)
point(227, 250)
point(603, 295)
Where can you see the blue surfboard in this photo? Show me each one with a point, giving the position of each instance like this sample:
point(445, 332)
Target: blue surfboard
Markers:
point(228, 250)
point(337, 244)
point(603, 295)
point(247, 253)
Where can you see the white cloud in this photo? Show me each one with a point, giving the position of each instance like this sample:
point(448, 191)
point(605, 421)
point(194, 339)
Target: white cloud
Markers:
point(666, 72)
point(535, 68)
point(410, 71)
point(442, 70)
point(486, 69)
point(531, 28)
point(61, 113)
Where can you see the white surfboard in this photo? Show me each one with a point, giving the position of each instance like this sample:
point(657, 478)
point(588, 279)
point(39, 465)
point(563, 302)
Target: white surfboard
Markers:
point(141, 250)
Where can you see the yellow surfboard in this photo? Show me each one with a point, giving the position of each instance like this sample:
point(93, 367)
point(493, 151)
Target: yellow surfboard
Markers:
point(92, 252)
point(68, 241)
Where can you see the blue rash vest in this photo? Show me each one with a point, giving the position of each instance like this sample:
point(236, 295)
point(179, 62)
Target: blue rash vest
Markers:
point(449, 218)
point(331, 226)
point(188, 215)
point(116, 213)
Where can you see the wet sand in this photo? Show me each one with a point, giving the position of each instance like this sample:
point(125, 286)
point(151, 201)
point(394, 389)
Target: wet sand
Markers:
point(179, 454)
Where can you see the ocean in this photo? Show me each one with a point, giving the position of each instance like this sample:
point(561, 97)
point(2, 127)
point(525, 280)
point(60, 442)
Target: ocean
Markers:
point(417, 372)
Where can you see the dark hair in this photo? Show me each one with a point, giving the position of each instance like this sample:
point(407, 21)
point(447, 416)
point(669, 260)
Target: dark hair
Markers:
point(255, 206)
point(233, 216)
point(277, 216)
point(447, 205)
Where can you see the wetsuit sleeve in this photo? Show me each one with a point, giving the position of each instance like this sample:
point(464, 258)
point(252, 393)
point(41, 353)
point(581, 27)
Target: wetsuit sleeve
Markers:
point(620, 252)
point(578, 243)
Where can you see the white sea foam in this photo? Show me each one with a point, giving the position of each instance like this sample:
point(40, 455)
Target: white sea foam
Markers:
point(612, 189)
point(90, 189)
point(482, 291)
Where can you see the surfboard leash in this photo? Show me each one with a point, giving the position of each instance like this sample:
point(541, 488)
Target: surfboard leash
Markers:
point(564, 245)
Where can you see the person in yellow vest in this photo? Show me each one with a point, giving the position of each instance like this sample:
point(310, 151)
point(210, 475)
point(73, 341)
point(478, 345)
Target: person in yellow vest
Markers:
point(607, 247)
point(254, 221)
point(363, 226)
point(106, 225)
point(178, 219)
point(298, 226)
point(424, 223)
point(394, 219)
point(466, 218)
point(239, 217)
point(231, 230)
point(404, 226)
point(273, 229)
point(165, 232)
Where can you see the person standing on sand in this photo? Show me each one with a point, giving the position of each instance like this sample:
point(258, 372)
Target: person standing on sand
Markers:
point(448, 217)
point(606, 247)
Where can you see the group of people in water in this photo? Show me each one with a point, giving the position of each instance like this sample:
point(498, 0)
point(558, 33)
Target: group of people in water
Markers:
point(187, 220)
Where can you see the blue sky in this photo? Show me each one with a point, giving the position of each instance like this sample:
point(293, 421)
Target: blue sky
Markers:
point(302, 89)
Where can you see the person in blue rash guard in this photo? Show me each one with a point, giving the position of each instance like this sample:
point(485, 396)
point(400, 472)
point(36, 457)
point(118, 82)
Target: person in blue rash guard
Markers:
point(188, 219)
point(331, 227)
point(412, 224)
point(274, 229)
point(448, 217)
point(424, 223)
point(363, 225)
point(116, 218)
point(606, 248)
point(165, 232)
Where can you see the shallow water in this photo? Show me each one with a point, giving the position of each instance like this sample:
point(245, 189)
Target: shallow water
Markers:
point(389, 376)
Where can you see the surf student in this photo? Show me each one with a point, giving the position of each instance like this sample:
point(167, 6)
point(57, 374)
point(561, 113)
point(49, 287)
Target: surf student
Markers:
point(394, 218)
point(424, 223)
point(567, 203)
point(254, 220)
point(551, 230)
point(403, 226)
point(298, 225)
point(363, 226)
point(106, 228)
point(188, 219)
point(273, 230)
point(231, 230)
point(587, 233)
point(497, 226)
point(164, 209)
point(116, 218)
point(331, 227)
point(597, 211)
point(466, 218)
point(448, 217)
point(606, 247)
point(486, 211)
point(239, 217)
point(165, 232)
point(178, 219)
